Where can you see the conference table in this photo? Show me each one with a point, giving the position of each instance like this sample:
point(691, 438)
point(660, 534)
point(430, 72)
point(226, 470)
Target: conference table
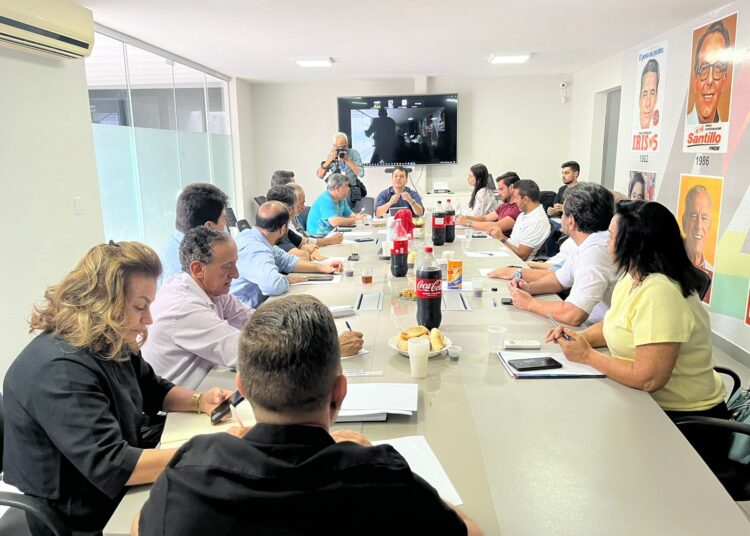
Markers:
point(544, 456)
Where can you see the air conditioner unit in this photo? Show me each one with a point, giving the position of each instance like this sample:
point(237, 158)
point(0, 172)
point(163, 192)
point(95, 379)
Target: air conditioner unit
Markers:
point(58, 27)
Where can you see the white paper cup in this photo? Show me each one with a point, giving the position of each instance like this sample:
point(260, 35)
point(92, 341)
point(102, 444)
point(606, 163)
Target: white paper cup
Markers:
point(496, 338)
point(419, 352)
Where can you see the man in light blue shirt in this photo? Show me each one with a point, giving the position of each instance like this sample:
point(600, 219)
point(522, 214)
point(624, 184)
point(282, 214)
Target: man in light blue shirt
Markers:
point(262, 264)
point(330, 209)
point(198, 204)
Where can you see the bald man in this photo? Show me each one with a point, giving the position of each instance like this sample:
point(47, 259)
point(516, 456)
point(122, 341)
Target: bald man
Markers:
point(262, 264)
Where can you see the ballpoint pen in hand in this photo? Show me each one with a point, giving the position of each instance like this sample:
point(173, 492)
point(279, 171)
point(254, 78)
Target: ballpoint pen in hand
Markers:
point(347, 325)
point(564, 335)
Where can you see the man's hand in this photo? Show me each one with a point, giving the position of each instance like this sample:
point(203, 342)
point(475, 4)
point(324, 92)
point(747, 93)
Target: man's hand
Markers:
point(340, 436)
point(317, 255)
point(336, 238)
point(502, 273)
point(350, 343)
point(394, 199)
point(495, 232)
point(296, 278)
point(360, 216)
point(555, 210)
point(463, 220)
point(521, 298)
point(519, 283)
point(333, 266)
point(212, 398)
point(407, 197)
point(309, 248)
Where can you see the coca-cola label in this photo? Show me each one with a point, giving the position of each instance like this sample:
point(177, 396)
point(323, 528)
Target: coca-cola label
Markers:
point(429, 288)
point(438, 222)
point(450, 220)
point(399, 250)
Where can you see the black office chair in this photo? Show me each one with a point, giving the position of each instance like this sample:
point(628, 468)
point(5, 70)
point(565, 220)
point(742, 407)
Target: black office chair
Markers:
point(734, 476)
point(242, 225)
point(705, 282)
point(302, 217)
point(736, 382)
point(368, 204)
point(13, 523)
point(259, 200)
point(547, 199)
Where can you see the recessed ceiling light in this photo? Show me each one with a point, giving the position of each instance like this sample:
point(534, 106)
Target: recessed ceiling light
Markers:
point(499, 60)
point(314, 62)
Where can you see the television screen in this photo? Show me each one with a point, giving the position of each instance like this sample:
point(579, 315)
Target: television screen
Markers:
point(401, 129)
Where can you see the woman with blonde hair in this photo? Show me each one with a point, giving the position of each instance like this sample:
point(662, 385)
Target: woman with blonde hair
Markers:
point(77, 395)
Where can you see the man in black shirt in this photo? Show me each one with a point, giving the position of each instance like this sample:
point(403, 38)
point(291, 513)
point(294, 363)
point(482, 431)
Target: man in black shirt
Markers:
point(570, 172)
point(288, 474)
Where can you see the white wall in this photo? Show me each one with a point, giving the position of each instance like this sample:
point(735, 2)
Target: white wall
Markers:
point(504, 122)
point(587, 93)
point(47, 155)
point(240, 103)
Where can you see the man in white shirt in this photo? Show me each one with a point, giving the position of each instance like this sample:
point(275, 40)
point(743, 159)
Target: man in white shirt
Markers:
point(589, 272)
point(532, 226)
point(196, 322)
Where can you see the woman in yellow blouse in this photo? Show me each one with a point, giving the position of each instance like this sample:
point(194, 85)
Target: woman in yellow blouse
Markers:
point(657, 330)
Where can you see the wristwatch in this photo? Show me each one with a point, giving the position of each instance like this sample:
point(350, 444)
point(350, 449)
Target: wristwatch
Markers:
point(195, 402)
point(518, 274)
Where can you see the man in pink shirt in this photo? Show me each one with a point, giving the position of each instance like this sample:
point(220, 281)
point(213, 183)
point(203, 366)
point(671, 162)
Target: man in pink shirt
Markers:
point(504, 217)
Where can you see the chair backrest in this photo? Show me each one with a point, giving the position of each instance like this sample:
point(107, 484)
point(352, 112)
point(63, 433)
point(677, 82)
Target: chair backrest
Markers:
point(705, 282)
point(368, 204)
point(259, 200)
point(2, 431)
point(547, 199)
point(242, 225)
point(302, 217)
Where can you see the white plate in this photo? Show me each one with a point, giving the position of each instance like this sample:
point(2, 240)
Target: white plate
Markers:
point(392, 344)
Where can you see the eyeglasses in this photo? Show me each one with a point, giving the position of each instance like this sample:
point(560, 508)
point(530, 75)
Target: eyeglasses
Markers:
point(717, 69)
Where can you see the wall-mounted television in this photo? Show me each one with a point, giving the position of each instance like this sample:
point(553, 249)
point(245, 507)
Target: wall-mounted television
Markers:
point(401, 129)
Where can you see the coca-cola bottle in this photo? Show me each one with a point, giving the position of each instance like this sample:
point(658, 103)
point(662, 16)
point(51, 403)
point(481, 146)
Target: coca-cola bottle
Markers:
point(438, 225)
point(399, 251)
point(429, 292)
point(450, 222)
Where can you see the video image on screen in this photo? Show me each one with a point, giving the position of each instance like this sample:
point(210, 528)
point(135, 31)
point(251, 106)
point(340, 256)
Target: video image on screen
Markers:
point(417, 129)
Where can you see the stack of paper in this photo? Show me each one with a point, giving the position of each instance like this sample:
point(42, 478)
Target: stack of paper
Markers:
point(341, 311)
point(422, 460)
point(181, 426)
point(374, 401)
point(568, 370)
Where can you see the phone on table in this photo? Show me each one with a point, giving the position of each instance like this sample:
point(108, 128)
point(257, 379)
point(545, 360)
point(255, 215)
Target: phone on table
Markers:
point(506, 301)
point(319, 277)
point(363, 239)
point(534, 363)
point(223, 409)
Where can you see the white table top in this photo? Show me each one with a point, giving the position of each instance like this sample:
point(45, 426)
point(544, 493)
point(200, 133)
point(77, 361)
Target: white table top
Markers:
point(569, 456)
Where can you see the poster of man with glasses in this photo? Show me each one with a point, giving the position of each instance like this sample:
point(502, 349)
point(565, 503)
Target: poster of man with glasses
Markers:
point(710, 88)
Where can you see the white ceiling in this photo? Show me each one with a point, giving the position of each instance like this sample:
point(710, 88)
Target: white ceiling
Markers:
point(256, 39)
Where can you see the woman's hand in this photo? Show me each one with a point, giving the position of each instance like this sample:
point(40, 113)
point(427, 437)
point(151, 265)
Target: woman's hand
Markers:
point(577, 348)
point(350, 435)
point(212, 398)
point(502, 273)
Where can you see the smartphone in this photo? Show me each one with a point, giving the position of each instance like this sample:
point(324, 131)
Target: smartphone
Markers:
point(222, 410)
point(534, 363)
point(478, 235)
point(506, 301)
point(363, 240)
point(319, 277)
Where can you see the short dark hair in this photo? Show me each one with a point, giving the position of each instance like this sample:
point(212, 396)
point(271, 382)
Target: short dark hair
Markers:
point(649, 242)
point(399, 168)
point(289, 356)
point(572, 164)
point(272, 216)
point(284, 194)
point(281, 177)
point(509, 178)
point(591, 205)
point(716, 27)
point(199, 203)
point(198, 245)
point(528, 188)
point(652, 66)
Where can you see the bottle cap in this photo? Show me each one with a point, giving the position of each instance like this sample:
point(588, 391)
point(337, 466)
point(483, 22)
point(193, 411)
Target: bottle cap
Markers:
point(428, 249)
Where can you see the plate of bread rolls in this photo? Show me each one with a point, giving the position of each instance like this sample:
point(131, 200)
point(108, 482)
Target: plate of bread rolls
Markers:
point(438, 342)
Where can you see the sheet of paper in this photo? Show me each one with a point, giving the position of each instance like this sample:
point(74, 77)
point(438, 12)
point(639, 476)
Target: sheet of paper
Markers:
point(181, 426)
point(422, 460)
point(383, 232)
point(329, 259)
point(484, 272)
point(382, 396)
point(335, 281)
point(361, 352)
point(569, 369)
point(345, 241)
point(487, 254)
point(358, 234)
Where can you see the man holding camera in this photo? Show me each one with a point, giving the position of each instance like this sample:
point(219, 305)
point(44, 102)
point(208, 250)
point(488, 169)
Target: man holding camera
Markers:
point(348, 162)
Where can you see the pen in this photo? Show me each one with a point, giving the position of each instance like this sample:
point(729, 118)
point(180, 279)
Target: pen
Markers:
point(347, 325)
point(494, 303)
point(564, 336)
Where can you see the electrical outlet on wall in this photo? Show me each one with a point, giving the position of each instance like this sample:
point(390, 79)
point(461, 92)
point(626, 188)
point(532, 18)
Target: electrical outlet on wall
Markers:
point(77, 205)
